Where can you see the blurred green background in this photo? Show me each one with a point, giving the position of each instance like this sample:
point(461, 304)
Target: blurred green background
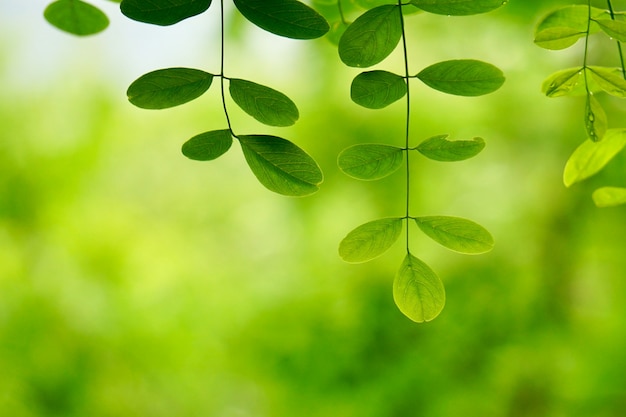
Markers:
point(134, 282)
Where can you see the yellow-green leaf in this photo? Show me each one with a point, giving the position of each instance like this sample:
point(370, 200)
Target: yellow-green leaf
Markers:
point(609, 196)
point(457, 234)
point(417, 290)
point(370, 240)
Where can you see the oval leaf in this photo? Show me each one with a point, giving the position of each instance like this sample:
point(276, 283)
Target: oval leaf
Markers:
point(208, 145)
point(168, 87)
point(377, 89)
point(266, 105)
point(280, 165)
point(563, 27)
point(417, 290)
point(458, 7)
point(370, 240)
point(163, 12)
point(609, 196)
point(595, 119)
point(457, 234)
point(462, 77)
point(371, 37)
point(76, 17)
point(370, 161)
point(614, 28)
point(441, 149)
point(610, 80)
point(564, 82)
point(590, 157)
point(288, 18)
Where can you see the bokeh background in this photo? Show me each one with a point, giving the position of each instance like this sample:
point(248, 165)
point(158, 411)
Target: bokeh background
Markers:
point(135, 282)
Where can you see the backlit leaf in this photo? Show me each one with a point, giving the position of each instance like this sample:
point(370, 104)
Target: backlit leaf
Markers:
point(595, 119)
point(280, 165)
point(610, 80)
point(439, 148)
point(265, 104)
point(370, 240)
point(457, 234)
point(563, 27)
point(76, 17)
point(370, 161)
point(609, 196)
point(288, 18)
point(163, 12)
point(614, 28)
point(371, 37)
point(590, 157)
point(208, 145)
point(462, 77)
point(417, 290)
point(168, 87)
point(564, 82)
point(458, 7)
point(377, 89)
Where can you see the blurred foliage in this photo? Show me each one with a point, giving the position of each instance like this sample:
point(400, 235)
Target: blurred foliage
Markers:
point(136, 282)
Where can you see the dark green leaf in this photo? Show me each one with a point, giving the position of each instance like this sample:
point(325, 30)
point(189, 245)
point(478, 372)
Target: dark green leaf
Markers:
point(163, 12)
point(563, 27)
point(280, 165)
point(457, 234)
point(441, 149)
point(288, 18)
point(370, 240)
point(595, 119)
point(564, 82)
point(267, 105)
point(614, 28)
point(76, 17)
point(168, 87)
point(418, 291)
point(372, 37)
point(610, 80)
point(370, 161)
point(462, 77)
point(208, 145)
point(609, 196)
point(377, 89)
point(458, 7)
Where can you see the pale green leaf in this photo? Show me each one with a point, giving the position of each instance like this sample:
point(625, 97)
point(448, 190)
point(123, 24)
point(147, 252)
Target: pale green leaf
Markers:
point(609, 196)
point(377, 89)
point(417, 290)
point(265, 104)
point(457, 234)
point(458, 7)
point(168, 87)
point(163, 12)
point(462, 77)
point(439, 148)
point(561, 28)
point(595, 119)
point(610, 80)
point(76, 17)
point(280, 165)
point(370, 240)
point(590, 157)
point(371, 37)
point(565, 82)
point(370, 161)
point(614, 28)
point(208, 145)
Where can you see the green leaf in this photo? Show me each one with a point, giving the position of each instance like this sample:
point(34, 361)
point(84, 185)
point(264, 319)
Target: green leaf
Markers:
point(280, 165)
point(609, 196)
point(168, 87)
point(76, 17)
point(595, 119)
point(377, 89)
point(370, 161)
point(614, 28)
point(462, 77)
point(266, 105)
point(564, 82)
point(458, 7)
point(371, 37)
point(441, 149)
point(163, 12)
point(457, 234)
point(610, 80)
point(370, 240)
point(590, 157)
point(208, 145)
point(418, 291)
point(563, 27)
point(288, 18)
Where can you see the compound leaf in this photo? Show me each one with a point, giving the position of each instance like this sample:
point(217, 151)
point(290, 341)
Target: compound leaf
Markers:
point(563, 27)
point(609, 196)
point(614, 28)
point(462, 77)
point(280, 165)
point(417, 290)
point(595, 119)
point(458, 7)
point(377, 89)
point(76, 17)
point(208, 145)
point(370, 161)
point(265, 104)
point(371, 37)
point(168, 87)
point(457, 234)
point(163, 12)
point(370, 240)
point(439, 148)
point(610, 80)
point(287, 18)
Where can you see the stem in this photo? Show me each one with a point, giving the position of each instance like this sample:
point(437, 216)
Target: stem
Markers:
point(619, 44)
point(587, 46)
point(343, 17)
point(222, 76)
point(408, 119)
